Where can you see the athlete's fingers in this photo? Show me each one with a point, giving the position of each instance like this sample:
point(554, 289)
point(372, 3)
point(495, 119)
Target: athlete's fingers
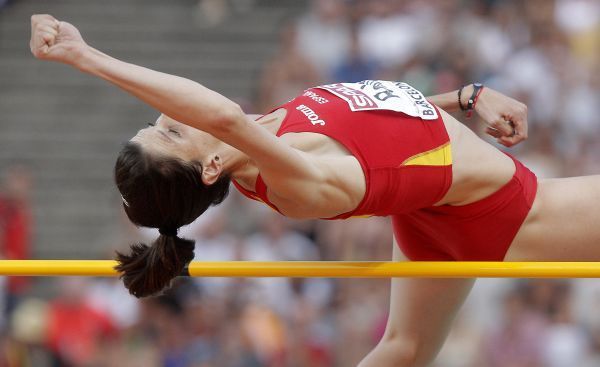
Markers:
point(520, 127)
point(504, 127)
point(493, 132)
point(37, 42)
point(48, 28)
point(509, 141)
point(37, 18)
point(44, 30)
point(41, 19)
point(45, 25)
point(48, 39)
point(519, 134)
point(503, 140)
point(518, 117)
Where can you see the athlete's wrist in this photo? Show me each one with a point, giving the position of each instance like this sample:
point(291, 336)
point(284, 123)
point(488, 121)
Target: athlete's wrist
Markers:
point(89, 60)
point(464, 94)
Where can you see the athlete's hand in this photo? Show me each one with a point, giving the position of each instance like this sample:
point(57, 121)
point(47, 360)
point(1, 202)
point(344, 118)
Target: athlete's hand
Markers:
point(506, 117)
point(55, 40)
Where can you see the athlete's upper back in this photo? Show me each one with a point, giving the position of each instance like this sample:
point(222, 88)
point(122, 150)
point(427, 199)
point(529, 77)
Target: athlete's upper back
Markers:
point(393, 131)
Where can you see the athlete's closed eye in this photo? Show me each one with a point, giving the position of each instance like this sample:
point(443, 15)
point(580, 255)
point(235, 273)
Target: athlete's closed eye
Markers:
point(173, 131)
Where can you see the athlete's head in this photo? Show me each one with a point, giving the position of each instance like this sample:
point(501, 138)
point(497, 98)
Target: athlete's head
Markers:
point(166, 186)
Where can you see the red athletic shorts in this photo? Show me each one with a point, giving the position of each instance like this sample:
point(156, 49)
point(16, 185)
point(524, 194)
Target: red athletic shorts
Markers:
point(481, 231)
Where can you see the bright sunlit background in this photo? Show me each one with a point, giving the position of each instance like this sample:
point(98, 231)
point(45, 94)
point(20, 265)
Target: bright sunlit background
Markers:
point(60, 132)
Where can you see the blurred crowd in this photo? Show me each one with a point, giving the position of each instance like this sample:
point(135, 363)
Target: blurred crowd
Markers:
point(545, 53)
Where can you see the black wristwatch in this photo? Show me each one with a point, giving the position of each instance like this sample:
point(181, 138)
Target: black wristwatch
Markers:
point(476, 90)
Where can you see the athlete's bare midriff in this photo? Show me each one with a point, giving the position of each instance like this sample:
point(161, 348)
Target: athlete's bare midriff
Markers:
point(478, 169)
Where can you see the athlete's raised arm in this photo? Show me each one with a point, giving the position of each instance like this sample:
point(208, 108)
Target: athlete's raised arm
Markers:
point(181, 99)
point(285, 170)
point(506, 117)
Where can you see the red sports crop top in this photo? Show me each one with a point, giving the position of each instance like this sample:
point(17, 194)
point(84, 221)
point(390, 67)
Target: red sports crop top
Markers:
point(398, 137)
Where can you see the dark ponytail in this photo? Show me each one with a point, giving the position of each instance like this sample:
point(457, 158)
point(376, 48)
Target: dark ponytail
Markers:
point(164, 193)
point(148, 270)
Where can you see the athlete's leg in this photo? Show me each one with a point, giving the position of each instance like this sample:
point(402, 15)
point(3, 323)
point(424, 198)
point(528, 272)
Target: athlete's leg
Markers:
point(564, 222)
point(421, 312)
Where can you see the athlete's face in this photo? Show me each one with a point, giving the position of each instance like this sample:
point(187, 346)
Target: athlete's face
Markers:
point(169, 138)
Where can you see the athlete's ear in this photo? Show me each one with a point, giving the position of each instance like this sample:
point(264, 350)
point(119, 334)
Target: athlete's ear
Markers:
point(211, 170)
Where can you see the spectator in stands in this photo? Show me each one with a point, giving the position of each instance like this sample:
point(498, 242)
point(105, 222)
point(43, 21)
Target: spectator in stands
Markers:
point(15, 226)
point(323, 34)
point(357, 65)
point(167, 318)
point(390, 32)
point(75, 331)
point(518, 340)
point(566, 343)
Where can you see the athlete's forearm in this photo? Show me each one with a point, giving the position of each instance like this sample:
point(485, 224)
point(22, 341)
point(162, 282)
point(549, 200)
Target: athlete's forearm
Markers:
point(506, 118)
point(449, 101)
point(181, 99)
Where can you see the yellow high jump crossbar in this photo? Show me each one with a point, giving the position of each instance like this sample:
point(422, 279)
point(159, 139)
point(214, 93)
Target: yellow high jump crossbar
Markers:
point(326, 269)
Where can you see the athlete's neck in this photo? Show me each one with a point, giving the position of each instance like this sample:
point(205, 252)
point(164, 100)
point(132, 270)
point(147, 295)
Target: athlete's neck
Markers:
point(240, 166)
point(236, 163)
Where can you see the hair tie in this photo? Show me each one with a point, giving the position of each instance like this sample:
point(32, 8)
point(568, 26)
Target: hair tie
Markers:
point(169, 232)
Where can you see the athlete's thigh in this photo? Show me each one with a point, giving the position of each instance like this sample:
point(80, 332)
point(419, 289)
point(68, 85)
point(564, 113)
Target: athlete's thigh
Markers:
point(564, 223)
point(422, 310)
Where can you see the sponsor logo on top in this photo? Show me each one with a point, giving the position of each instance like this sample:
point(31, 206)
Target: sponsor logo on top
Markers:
point(312, 116)
point(315, 97)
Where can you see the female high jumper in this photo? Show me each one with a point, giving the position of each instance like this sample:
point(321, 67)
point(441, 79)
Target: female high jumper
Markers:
point(339, 151)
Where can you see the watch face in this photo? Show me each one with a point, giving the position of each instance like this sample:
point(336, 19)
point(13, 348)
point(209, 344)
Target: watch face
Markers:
point(477, 85)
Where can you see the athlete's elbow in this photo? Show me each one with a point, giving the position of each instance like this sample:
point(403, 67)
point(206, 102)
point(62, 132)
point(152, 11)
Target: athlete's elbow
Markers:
point(229, 118)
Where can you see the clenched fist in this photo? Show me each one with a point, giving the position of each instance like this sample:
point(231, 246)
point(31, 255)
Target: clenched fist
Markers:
point(506, 117)
point(55, 40)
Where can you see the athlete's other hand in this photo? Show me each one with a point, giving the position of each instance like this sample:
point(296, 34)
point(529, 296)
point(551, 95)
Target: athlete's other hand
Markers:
point(506, 117)
point(54, 40)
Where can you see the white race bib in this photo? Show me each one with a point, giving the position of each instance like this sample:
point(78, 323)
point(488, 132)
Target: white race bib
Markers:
point(383, 95)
